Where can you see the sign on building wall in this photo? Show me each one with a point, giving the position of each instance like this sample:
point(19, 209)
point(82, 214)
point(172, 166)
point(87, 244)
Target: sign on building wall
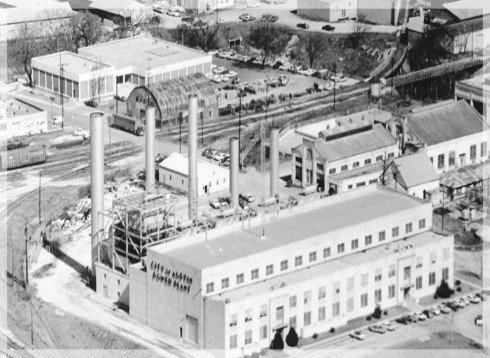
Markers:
point(171, 278)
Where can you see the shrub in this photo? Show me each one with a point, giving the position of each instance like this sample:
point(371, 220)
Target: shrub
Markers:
point(458, 289)
point(315, 335)
point(292, 338)
point(277, 342)
point(385, 312)
point(436, 297)
point(368, 317)
point(377, 312)
point(457, 282)
point(444, 291)
point(332, 330)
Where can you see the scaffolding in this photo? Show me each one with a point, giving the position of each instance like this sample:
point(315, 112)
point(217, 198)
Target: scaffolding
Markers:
point(137, 221)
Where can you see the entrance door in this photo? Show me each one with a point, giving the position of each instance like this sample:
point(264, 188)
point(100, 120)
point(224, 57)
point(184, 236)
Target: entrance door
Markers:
point(191, 326)
point(462, 160)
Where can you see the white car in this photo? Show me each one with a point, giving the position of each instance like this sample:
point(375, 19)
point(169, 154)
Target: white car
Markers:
point(219, 157)
point(466, 299)
point(173, 13)
point(57, 120)
point(479, 320)
point(444, 309)
point(81, 133)
point(421, 316)
point(435, 311)
point(215, 204)
point(390, 326)
point(357, 335)
point(475, 299)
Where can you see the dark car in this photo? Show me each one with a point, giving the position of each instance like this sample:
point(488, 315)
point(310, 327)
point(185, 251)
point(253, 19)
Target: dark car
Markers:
point(303, 25)
point(91, 103)
point(328, 28)
point(188, 19)
point(224, 201)
point(269, 17)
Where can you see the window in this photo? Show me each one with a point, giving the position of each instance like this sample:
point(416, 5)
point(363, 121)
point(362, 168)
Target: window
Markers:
point(395, 231)
point(392, 270)
point(280, 314)
point(391, 291)
point(391, 155)
point(445, 273)
point(367, 161)
point(377, 275)
point(255, 274)
point(407, 273)
point(362, 183)
point(248, 337)
point(240, 278)
point(307, 318)
point(233, 320)
point(368, 240)
point(298, 261)
point(292, 301)
point(377, 296)
point(421, 224)
point(248, 315)
point(432, 278)
point(451, 158)
point(440, 161)
point(319, 166)
point(418, 283)
point(263, 332)
point(340, 248)
point(307, 297)
point(343, 168)
point(349, 186)
point(313, 256)
point(372, 181)
point(292, 321)
point(335, 309)
point(364, 300)
point(350, 283)
point(379, 158)
point(299, 159)
point(433, 257)
point(418, 262)
point(483, 149)
point(364, 280)
point(284, 265)
point(431, 159)
point(355, 164)
point(408, 228)
point(321, 313)
point(382, 236)
point(269, 269)
point(322, 292)
point(336, 288)
point(332, 171)
point(326, 252)
point(233, 341)
point(263, 311)
point(473, 152)
point(225, 283)
point(445, 253)
point(350, 304)
point(209, 287)
point(354, 244)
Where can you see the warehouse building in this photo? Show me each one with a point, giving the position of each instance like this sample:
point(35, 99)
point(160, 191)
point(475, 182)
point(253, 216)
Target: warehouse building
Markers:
point(76, 76)
point(316, 267)
point(170, 98)
point(20, 118)
point(174, 172)
point(452, 133)
point(357, 156)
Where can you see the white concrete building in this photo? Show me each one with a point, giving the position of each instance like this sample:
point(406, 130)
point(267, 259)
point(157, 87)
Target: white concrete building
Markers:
point(211, 178)
point(317, 162)
point(327, 10)
point(316, 267)
point(453, 133)
point(20, 118)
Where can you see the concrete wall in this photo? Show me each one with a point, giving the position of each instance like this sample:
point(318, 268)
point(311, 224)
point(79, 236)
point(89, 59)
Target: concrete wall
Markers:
point(112, 285)
point(215, 183)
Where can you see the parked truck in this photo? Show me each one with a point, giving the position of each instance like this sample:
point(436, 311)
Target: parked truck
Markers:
point(23, 157)
point(127, 124)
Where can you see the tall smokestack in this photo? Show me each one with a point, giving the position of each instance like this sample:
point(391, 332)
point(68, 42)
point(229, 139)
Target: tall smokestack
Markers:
point(97, 182)
point(192, 142)
point(274, 161)
point(150, 149)
point(234, 172)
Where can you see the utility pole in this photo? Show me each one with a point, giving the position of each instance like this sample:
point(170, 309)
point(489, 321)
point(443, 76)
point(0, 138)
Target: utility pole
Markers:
point(27, 255)
point(334, 82)
point(180, 132)
point(39, 198)
point(62, 65)
point(240, 129)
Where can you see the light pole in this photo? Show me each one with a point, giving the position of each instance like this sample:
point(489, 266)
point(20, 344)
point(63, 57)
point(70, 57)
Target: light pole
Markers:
point(62, 65)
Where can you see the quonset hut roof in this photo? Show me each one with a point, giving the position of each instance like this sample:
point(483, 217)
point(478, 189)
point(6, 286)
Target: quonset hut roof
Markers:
point(172, 95)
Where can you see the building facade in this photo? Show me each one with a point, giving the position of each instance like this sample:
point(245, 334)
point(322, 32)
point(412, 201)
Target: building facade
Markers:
point(229, 290)
point(384, 12)
point(20, 119)
point(327, 10)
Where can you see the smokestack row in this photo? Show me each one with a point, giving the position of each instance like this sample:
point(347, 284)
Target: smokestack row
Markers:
point(97, 182)
point(192, 141)
point(150, 149)
point(234, 167)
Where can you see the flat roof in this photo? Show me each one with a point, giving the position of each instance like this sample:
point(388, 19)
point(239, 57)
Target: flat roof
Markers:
point(179, 163)
point(142, 52)
point(358, 172)
point(72, 62)
point(16, 108)
point(337, 212)
point(377, 253)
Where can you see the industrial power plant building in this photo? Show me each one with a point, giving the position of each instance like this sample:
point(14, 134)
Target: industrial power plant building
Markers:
point(95, 71)
point(313, 268)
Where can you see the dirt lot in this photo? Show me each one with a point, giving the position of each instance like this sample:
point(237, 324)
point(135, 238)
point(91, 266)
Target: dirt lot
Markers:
point(442, 340)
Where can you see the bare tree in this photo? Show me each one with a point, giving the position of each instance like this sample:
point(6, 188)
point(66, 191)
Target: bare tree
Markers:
point(359, 32)
point(315, 45)
point(133, 22)
point(84, 29)
point(21, 50)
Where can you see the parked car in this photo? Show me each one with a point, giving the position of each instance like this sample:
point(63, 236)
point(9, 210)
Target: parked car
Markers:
point(428, 313)
point(421, 316)
point(378, 328)
point(248, 18)
point(404, 319)
point(242, 16)
point(81, 133)
point(479, 320)
point(269, 17)
point(444, 309)
point(414, 317)
point(435, 311)
point(303, 25)
point(173, 13)
point(358, 335)
point(209, 153)
point(219, 157)
point(475, 299)
point(215, 204)
point(224, 201)
point(462, 302)
point(249, 198)
point(188, 19)
point(91, 103)
point(58, 120)
point(389, 325)
point(243, 204)
point(454, 305)
point(328, 28)
point(480, 294)
point(159, 9)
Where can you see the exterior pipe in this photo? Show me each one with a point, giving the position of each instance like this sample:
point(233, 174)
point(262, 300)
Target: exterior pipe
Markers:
point(150, 150)
point(97, 182)
point(234, 167)
point(274, 162)
point(192, 142)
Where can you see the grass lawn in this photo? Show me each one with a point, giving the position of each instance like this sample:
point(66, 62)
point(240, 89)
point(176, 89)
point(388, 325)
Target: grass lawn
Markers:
point(441, 340)
point(429, 300)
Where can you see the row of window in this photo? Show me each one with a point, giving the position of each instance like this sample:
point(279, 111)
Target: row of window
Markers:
point(322, 314)
point(312, 257)
point(356, 164)
point(441, 158)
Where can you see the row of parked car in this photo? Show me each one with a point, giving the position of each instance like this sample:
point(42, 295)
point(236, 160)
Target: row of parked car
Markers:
point(220, 157)
point(244, 201)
